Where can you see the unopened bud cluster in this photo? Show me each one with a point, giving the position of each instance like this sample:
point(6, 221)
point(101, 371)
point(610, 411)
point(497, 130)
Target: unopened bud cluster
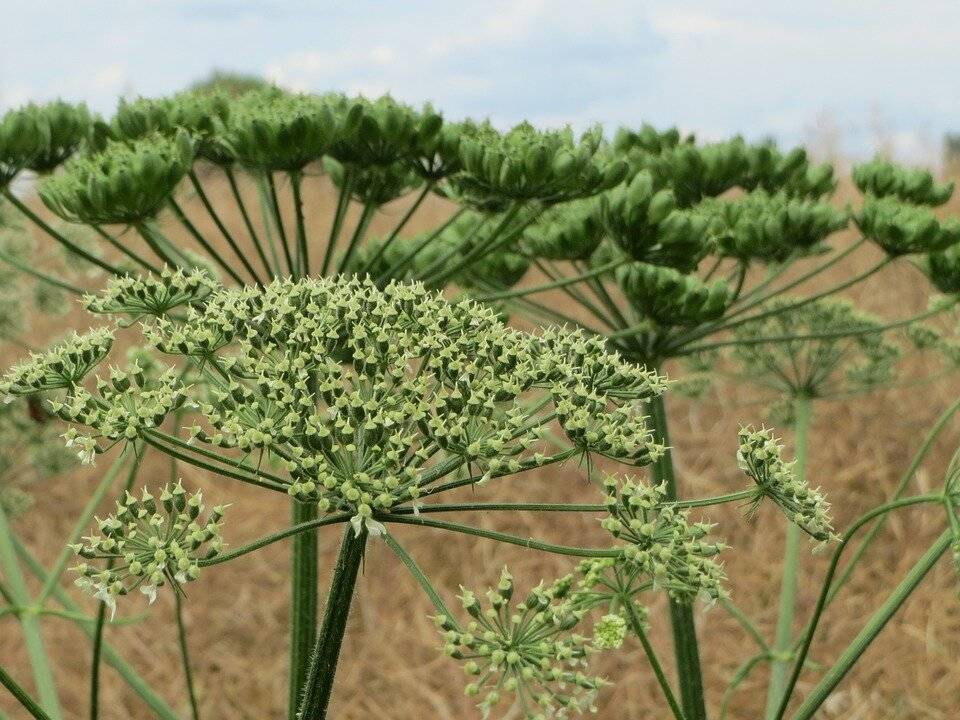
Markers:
point(147, 543)
point(527, 650)
point(760, 456)
point(151, 294)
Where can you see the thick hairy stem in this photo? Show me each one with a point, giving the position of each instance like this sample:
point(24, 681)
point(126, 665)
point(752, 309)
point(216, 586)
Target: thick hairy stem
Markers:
point(791, 569)
point(323, 665)
point(304, 600)
point(685, 644)
point(872, 629)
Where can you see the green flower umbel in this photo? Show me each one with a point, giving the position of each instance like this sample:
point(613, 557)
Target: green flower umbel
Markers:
point(148, 543)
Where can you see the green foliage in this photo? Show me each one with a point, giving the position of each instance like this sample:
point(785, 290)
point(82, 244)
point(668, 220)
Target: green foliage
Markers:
point(881, 178)
point(125, 183)
point(943, 269)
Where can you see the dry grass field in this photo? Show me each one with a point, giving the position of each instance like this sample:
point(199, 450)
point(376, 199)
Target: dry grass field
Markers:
point(391, 665)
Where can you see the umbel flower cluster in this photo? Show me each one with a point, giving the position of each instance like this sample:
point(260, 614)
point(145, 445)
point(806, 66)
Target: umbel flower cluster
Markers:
point(367, 397)
point(526, 649)
point(149, 542)
point(760, 456)
point(661, 542)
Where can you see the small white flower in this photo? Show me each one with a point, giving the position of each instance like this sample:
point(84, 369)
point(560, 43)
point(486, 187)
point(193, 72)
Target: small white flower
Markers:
point(150, 591)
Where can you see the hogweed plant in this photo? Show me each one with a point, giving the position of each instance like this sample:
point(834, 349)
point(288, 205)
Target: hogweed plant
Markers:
point(306, 357)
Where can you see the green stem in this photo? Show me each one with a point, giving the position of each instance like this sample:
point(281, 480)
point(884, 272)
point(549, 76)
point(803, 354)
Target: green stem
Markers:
point(266, 215)
point(810, 631)
point(343, 202)
point(637, 626)
point(278, 221)
point(125, 250)
point(419, 576)
point(303, 251)
point(202, 241)
point(185, 658)
point(238, 199)
point(791, 571)
point(112, 658)
point(323, 664)
point(161, 245)
point(872, 629)
point(33, 639)
point(411, 256)
point(22, 697)
point(385, 245)
point(41, 276)
point(215, 216)
point(304, 601)
point(358, 234)
point(684, 627)
point(79, 527)
point(71, 246)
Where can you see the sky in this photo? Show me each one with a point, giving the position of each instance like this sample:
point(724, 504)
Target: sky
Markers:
point(844, 76)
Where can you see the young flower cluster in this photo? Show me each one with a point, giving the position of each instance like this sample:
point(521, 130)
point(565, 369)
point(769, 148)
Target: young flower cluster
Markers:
point(899, 228)
point(527, 649)
point(147, 543)
point(40, 137)
point(882, 178)
point(63, 366)
point(661, 542)
point(367, 397)
point(760, 456)
point(151, 295)
point(670, 298)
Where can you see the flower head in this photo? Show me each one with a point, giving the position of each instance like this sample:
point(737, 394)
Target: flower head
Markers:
point(147, 543)
point(760, 456)
point(661, 542)
point(527, 649)
point(151, 295)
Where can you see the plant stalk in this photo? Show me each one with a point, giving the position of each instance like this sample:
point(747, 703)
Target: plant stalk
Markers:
point(323, 665)
point(686, 649)
point(782, 642)
point(304, 601)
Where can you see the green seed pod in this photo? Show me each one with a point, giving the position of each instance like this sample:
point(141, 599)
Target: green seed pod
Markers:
point(570, 231)
point(903, 229)
point(644, 223)
point(882, 178)
point(769, 228)
point(669, 297)
point(375, 184)
point(943, 269)
point(273, 132)
point(41, 137)
point(791, 175)
point(526, 164)
point(694, 172)
point(126, 183)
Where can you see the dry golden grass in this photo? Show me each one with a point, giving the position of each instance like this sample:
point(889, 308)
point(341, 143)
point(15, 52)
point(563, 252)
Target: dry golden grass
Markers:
point(391, 667)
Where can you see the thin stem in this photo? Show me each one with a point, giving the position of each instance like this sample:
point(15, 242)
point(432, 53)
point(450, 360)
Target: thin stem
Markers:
point(411, 256)
point(323, 666)
point(528, 543)
point(343, 202)
point(684, 628)
point(33, 639)
point(185, 658)
point(124, 249)
point(161, 245)
point(811, 628)
point(79, 527)
point(22, 696)
point(41, 276)
point(385, 245)
point(275, 537)
point(358, 234)
point(303, 251)
point(112, 658)
point(745, 622)
point(238, 199)
point(872, 629)
point(215, 216)
point(202, 241)
point(304, 601)
point(791, 571)
point(419, 576)
point(266, 215)
point(905, 479)
point(637, 626)
point(278, 220)
point(70, 245)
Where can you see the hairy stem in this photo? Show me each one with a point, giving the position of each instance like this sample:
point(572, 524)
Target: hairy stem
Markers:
point(685, 645)
point(791, 570)
point(323, 665)
point(304, 601)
